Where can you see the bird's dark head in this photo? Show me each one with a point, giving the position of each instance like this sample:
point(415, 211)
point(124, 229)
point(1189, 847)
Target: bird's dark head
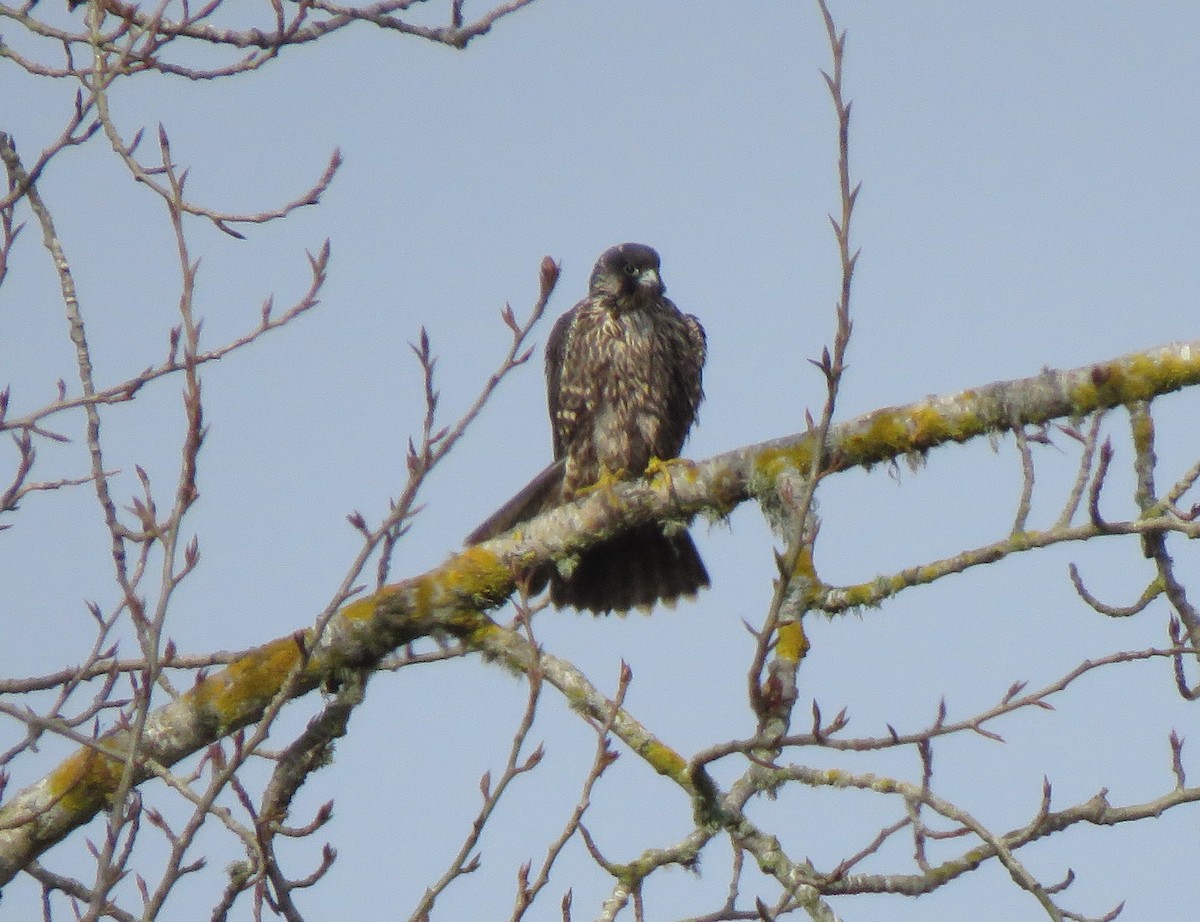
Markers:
point(627, 274)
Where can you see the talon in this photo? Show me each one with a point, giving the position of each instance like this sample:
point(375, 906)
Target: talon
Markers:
point(606, 480)
point(669, 469)
point(657, 466)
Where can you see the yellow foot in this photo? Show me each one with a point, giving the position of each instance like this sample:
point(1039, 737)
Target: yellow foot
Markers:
point(668, 470)
point(607, 479)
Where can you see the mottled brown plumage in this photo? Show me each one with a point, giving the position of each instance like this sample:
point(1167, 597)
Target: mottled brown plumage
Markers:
point(623, 381)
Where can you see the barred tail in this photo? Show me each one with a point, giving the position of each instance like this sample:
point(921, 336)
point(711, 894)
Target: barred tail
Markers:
point(635, 569)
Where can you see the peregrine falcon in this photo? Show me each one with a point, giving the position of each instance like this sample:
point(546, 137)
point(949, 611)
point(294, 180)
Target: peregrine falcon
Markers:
point(623, 381)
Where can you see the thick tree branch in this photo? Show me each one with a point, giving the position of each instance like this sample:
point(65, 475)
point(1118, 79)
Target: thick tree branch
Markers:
point(449, 600)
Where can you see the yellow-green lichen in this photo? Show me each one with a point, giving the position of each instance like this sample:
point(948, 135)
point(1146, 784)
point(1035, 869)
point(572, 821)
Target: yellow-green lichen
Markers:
point(1143, 432)
point(793, 642)
point(479, 631)
point(420, 597)
point(868, 594)
point(664, 759)
point(478, 574)
point(1023, 540)
point(771, 462)
point(894, 432)
point(362, 609)
point(243, 686)
point(577, 699)
point(804, 567)
point(85, 781)
point(932, 426)
point(885, 436)
point(1139, 377)
point(834, 776)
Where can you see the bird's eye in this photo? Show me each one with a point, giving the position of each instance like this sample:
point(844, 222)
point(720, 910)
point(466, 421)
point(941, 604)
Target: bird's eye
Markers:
point(631, 269)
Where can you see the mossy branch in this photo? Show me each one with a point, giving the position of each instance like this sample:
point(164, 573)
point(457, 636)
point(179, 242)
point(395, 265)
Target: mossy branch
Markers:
point(452, 599)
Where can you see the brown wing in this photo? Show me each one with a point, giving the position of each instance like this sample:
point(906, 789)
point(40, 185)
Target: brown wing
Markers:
point(545, 490)
point(556, 349)
point(540, 494)
point(687, 379)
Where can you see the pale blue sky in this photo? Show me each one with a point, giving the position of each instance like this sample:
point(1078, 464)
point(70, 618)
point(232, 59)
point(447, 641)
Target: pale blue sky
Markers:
point(1031, 197)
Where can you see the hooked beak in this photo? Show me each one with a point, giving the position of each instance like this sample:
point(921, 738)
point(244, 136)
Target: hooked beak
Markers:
point(650, 280)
